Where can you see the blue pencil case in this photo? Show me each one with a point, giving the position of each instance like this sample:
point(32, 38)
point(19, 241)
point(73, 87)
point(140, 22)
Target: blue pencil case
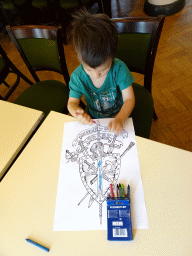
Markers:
point(119, 226)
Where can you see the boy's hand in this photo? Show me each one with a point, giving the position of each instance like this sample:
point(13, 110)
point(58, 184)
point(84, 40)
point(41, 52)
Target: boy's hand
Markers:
point(83, 117)
point(116, 126)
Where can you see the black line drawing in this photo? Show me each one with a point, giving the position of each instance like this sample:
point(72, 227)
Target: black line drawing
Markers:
point(98, 165)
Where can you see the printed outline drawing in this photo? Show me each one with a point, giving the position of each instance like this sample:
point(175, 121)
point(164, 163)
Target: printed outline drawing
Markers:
point(98, 165)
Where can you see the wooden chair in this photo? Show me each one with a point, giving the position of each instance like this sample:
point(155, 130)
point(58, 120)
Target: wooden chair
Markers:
point(64, 8)
point(6, 68)
point(41, 48)
point(137, 45)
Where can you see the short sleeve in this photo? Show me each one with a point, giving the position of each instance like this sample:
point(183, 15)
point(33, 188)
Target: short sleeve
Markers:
point(75, 86)
point(124, 78)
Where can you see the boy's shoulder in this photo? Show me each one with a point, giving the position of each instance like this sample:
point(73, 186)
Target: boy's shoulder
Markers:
point(79, 71)
point(119, 65)
point(118, 62)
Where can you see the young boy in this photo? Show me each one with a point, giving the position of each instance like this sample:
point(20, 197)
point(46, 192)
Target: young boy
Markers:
point(104, 80)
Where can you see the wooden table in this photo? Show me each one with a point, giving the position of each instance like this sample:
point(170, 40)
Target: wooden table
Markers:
point(16, 125)
point(28, 195)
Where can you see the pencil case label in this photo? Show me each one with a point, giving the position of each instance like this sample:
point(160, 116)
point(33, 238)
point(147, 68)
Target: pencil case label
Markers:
point(119, 232)
point(117, 223)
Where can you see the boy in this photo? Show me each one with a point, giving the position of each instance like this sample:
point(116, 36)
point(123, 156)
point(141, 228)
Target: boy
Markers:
point(104, 80)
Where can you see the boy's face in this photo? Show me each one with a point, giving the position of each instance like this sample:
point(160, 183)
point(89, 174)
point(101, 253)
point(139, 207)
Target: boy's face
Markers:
point(98, 72)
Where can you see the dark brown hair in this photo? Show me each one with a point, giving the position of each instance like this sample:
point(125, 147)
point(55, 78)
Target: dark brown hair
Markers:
point(94, 37)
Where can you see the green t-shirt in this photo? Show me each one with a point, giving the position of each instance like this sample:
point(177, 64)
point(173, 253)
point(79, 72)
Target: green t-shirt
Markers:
point(106, 101)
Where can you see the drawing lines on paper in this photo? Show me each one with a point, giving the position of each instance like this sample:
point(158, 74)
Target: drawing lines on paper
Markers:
point(98, 165)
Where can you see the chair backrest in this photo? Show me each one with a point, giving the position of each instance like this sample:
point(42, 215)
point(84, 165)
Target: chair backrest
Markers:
point(137, 44)
point(41, 48)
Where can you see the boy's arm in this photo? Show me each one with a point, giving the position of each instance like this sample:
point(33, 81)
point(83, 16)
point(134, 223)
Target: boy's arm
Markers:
point(128, 104)
point(77, 112)
point(73, 106)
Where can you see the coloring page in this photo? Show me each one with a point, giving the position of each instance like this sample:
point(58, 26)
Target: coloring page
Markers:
point(92, 158)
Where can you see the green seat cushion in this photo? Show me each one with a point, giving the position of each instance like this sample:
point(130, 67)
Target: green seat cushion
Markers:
point(132, 49)
point(143, 111)
point(45, 96)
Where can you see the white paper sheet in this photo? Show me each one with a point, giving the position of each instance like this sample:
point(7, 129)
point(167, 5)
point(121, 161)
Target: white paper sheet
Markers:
point(91, 158)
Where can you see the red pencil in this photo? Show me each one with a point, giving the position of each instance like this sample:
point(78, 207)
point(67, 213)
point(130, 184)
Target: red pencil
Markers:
point(111, 188)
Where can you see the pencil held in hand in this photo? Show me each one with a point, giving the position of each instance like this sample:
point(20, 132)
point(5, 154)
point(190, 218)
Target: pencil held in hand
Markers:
point(77, 114)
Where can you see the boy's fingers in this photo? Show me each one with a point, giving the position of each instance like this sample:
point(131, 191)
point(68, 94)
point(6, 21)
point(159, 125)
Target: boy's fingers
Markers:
point(84, 118)
point(119, 129)
point(110, 126)
point(79, 112)
point(79, 115)
point(114, 127)
point(89, 120)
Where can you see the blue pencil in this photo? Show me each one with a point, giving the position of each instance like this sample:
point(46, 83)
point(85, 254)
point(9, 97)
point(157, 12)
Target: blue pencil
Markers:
point(38, 245)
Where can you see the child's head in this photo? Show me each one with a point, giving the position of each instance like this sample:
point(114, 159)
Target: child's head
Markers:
point(95, 38)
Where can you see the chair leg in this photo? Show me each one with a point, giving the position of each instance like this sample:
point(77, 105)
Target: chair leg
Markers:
point(101, 8)
point(63, 22)
point(6, 84)
point(64, 34)
point(18, 73)
point(154, 115)
point(12, 88)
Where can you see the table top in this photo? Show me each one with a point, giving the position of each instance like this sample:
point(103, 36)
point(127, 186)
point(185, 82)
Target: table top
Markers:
point(16, 125)
point(28, 196)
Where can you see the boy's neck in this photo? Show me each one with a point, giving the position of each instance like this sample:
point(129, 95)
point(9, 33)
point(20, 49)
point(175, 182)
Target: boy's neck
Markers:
point(98, 82)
